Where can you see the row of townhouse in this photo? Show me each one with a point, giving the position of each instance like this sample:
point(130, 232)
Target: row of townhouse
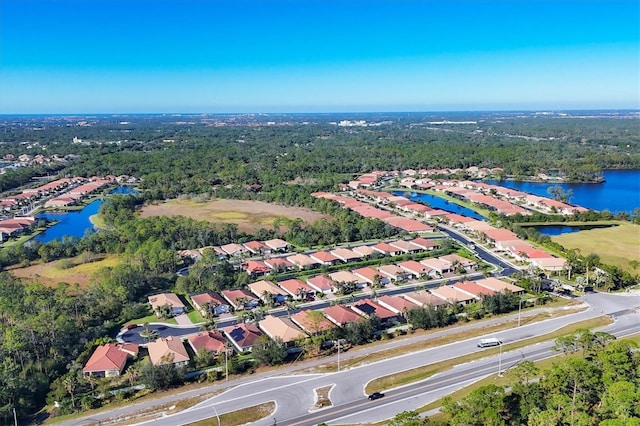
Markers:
point(110, 359)
point(338, 255)
point(502, 239)
point(504, 200)
point(64, 191)
point(231, 250)
point(210, 303)
point(370, 211)
point(411, 178)
point(508, 242)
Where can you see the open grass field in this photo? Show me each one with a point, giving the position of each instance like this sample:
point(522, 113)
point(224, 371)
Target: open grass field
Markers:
point(52, 273)
point(248, 215)
point(617, 245)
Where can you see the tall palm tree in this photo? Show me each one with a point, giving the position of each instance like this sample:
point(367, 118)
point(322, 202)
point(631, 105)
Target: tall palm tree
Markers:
point(133, 374)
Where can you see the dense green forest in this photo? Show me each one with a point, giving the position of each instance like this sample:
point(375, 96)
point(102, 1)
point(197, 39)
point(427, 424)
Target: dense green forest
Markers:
point(179, 155)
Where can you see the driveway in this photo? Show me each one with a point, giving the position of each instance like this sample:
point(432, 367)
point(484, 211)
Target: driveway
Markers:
point(183, 319)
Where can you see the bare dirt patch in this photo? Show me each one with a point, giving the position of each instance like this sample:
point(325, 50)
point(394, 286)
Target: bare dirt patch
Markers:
point(247, 214)
point(322, 397)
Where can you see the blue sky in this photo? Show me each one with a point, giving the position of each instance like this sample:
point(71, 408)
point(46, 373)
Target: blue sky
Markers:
point(120, 56)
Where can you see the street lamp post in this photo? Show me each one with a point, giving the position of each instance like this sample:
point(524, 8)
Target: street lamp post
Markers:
point(519, 310)
point(500, 362)
point(338, 354)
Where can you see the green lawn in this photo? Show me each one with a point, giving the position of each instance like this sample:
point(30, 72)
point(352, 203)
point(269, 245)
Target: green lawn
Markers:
point(617, 245)
point(152, 318)
point(195, 316)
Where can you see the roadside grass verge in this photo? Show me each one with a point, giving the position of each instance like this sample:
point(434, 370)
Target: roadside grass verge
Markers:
point(421, 373)
point(240, 417)
point(429, 342)
point(144, 414)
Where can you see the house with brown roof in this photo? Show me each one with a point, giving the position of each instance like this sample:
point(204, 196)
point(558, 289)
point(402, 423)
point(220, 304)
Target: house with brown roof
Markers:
point(281, 328)
point(422, 298)
point(399, 305)
point(277, 245)
point(386, 249)
point(109, 360)
point(370, 275)
point(347, 277)
point(405, 246)
point(256, 268)
point(321, 283)
point(473, 289)
point(168, 351)
point(210, 303)
point(233, 249)
point(267, 291)
point(159, 301)
point(393, 272)
point(311, 321)
point(297, 288)
point(243, 336)
point(437, 267)
point(279, 264)
point(417, 269)
point(455, 259)
point(345, 254)
point(211, 341)
point(364, 251)
point(340, 315)
point(256, 247)
point(453, 295)
point(240, 299)
point(368, 308)
point(499, 285)
point(324, 258)
point(302, 261)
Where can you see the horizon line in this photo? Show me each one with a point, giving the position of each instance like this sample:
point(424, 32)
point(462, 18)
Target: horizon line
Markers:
point(323, 112)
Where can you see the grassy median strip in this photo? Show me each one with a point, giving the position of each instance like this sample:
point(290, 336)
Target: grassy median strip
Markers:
point(240, 417)
point(421, 373)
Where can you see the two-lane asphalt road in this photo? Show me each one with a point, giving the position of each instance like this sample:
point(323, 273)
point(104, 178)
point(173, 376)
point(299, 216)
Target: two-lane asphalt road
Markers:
point(294, 395)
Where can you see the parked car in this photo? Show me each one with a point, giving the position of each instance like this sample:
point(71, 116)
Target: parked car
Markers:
point(375, 395)
point(130, 326)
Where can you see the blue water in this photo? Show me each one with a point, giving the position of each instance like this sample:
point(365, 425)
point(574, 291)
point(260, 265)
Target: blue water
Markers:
point(124, 190)
point(619, 193)
point(440, 203)
point(76, 223)
point(73, 224)
point(552, 230)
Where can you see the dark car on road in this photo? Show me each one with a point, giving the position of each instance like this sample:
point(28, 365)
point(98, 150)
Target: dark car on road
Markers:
point(375, 395)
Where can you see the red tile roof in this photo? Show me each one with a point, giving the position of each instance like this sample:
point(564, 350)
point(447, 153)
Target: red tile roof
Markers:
point(110, 356)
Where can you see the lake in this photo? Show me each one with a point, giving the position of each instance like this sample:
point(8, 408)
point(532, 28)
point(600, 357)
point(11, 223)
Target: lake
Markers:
point(75, 223)
point(552, 230)
point(439, 203)
point(619, 193)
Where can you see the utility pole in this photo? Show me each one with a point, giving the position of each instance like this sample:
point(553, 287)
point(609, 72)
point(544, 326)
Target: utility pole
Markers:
point(519, 310)
point(15, 417)
point(500, 362)
point(338, 354)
